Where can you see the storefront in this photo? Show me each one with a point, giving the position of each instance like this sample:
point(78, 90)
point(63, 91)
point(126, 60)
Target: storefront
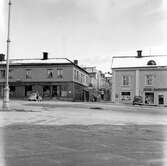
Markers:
point(155, 96)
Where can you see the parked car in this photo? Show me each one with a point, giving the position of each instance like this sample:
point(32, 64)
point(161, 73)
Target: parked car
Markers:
point(138, 100)
point(34, 97)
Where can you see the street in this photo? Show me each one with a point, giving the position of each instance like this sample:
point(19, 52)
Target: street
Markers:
point(71, 134)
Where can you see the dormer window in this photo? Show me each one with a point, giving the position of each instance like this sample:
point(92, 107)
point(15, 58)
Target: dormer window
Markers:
point(151, 62)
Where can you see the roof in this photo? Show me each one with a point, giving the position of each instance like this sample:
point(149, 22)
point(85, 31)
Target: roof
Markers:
point(133, 61)
point(41, 62)
point(36, 61)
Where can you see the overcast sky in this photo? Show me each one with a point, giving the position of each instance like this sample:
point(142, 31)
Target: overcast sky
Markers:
point(91, 31)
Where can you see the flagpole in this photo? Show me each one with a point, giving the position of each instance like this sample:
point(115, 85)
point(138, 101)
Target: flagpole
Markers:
point(6, 89)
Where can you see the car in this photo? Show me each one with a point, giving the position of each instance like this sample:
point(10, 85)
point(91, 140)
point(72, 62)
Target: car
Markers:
point(34, 97)
point(138, 100)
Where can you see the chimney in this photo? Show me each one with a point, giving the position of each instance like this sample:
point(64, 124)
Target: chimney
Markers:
point(76, 62)
point(2, 57)
point(139, 53)
point(45, 55)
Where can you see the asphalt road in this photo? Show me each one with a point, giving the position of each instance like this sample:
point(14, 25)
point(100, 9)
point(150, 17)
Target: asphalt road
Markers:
point(82, 134)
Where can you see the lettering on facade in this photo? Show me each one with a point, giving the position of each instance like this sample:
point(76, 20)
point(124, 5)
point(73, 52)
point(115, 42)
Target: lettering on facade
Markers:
point(148, 89)
point(155, 89)
point(160, 89)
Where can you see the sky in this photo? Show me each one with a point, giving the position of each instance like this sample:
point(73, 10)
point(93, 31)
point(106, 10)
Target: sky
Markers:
point(91, 31)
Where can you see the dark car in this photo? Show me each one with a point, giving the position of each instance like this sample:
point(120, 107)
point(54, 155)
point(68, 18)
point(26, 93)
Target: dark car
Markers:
point(138, 100)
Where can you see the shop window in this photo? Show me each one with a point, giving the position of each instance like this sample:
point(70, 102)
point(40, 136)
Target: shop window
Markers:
point(2, 73)
point(149, 79)
point(125, 96)
point(60, 73)
point(12, 90)
point(28, 73)
point(125, 80)
point(50, 73)
point(46, 91)
point(149, 98)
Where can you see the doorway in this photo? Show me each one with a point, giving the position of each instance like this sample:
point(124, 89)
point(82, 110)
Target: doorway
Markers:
point(160, 99)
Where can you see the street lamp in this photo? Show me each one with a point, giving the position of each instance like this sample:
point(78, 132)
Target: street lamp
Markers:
point(6, 89)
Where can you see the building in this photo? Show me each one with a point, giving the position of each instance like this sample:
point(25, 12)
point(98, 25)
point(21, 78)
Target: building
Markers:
point(56, 78)
point(139, 75)
point(99, 83)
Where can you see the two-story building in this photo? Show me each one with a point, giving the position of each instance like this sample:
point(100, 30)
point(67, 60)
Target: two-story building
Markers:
point(139, 75)
point(57, 78)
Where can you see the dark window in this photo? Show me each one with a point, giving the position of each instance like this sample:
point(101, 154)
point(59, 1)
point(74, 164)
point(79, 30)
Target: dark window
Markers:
point(2, 72)
point(50, 73)
point(125, 96)
point(28, 90)
point(46, 91)
point(10, 74)
point(12, 90)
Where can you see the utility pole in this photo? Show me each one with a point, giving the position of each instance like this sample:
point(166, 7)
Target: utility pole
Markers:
point(6, 89)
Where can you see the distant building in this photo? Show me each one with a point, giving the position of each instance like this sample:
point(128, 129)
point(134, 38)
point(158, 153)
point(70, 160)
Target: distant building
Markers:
point(99, 83)
point(56, 78)
point(139, 75)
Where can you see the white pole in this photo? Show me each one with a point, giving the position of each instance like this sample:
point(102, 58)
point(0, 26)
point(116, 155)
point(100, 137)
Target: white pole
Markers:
point(6, 89)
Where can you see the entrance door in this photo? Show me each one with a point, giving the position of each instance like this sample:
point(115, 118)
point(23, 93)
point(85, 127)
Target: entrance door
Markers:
point(161, 99)
point(149, 98)
point(56, 91)
point(28, 90)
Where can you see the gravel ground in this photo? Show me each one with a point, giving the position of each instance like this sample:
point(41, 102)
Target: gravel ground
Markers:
point(78, 145)
point(82, 134)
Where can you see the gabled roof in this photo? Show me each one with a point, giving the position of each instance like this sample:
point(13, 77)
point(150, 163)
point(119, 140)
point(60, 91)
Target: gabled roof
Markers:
point(49, 61)
point(132, 61)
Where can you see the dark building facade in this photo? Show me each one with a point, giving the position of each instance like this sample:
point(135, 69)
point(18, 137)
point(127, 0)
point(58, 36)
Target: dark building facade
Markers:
point(57, 78)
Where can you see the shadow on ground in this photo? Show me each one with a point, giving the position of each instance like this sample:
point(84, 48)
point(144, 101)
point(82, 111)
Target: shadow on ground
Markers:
point(77, 145)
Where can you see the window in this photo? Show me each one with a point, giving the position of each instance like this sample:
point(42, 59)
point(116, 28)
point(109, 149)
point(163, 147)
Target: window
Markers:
point(28, 73)
point(125, 96)
point(125, 80)
point(151, 62)
point(75, 74)
point(10, 74)
point(50, 73)
point(2, 73)
point(149, 80)
point(82, 78)
point(60, 73)
point(87, 80)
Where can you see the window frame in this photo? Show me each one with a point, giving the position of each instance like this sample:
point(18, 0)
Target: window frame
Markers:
point(28, 74)
point(124, 81)
point(49, 73)
point(147, 80)
point(59, 73)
